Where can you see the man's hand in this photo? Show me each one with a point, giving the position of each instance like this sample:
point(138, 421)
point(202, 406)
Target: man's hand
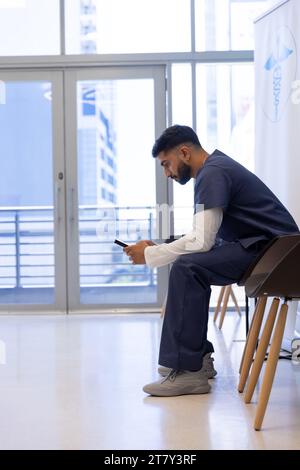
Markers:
point(136, 252)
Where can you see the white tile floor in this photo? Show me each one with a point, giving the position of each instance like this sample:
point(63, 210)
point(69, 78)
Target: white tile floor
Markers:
point(76, 383)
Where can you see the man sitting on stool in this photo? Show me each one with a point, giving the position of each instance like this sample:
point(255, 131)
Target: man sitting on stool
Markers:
point(240, 216)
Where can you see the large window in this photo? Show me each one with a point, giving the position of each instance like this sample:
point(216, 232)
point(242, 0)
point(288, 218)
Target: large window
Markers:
point(29, 27)
point(225, 110)
point(127, 26)
point(227, 24)
point(32, 27)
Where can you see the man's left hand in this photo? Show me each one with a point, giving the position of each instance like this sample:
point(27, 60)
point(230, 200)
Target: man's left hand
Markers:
point(136, 252)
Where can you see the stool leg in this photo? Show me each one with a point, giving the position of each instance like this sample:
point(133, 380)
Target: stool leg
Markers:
point(247, 314)
point(247, 331)
point(270, 367)
point(261, 351)
point(251, 342)
point(224, 307)
point(219, 303)
point(235, 301)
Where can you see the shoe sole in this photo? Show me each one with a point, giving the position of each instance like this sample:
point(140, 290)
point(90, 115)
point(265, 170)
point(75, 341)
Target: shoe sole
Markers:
point(169, 393)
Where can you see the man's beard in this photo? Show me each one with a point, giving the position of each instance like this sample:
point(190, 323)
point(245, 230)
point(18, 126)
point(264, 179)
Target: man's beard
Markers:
point(184, 173)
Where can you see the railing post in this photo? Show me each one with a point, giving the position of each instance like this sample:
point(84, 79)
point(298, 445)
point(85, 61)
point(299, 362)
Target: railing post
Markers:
point(117, 225)
point(18, 257)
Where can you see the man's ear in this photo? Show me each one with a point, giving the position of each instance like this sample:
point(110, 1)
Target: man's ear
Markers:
point(185, 153)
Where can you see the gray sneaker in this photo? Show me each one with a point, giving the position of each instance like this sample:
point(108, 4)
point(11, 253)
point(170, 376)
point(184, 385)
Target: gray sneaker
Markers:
point(207, 367)
point(179, 382)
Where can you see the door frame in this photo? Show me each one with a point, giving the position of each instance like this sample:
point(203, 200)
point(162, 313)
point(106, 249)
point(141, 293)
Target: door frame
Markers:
point(158, 74)
point(56, 78)
point(64, 144)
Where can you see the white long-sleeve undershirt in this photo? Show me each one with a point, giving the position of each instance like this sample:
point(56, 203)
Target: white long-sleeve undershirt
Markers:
point(202, 238)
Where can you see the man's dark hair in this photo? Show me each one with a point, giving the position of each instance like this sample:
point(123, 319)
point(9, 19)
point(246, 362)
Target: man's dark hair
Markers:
point(173, 136)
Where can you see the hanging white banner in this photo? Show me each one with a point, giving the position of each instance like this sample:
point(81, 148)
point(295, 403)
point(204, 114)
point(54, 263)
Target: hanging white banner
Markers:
point(277, 115)
point(277, 59)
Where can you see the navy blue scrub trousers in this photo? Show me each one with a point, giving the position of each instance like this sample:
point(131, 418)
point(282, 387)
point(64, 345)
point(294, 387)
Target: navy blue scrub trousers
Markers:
point(184, 333)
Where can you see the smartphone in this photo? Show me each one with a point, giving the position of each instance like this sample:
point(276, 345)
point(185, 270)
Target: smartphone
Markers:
point(118, 242)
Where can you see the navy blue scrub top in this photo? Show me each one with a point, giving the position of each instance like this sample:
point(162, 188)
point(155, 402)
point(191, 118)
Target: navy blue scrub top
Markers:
point(251, 212)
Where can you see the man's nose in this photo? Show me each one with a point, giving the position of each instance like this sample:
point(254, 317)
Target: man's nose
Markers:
point(167, 173)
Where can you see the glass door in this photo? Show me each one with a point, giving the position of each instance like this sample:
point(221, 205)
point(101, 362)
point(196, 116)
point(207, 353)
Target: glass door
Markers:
point(113, 184)
point(32, 220)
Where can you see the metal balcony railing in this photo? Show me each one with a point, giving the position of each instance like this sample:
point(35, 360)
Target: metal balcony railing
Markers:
point(27, 246)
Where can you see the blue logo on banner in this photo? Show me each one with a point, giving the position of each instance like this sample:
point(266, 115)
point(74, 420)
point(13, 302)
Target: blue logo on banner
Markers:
point(281, 70)
point(283, 54)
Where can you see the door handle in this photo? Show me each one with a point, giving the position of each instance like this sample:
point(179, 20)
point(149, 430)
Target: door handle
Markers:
point(57, 202)
point(71, 205)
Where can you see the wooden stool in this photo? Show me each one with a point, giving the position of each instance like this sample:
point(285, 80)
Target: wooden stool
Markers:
point(225, 293)
point(275, 273)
